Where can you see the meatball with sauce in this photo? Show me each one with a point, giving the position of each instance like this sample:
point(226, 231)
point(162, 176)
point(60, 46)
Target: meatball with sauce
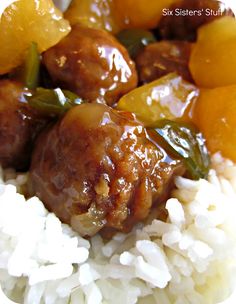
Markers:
point(161, 58)
point(93, 64)
point(19, 124)
point(97, 169)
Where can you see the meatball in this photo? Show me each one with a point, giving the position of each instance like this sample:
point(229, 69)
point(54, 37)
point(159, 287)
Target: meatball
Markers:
point(160, 58)
point(97, 169)
point(93, 64)
point(19, 125)
point(184, 26)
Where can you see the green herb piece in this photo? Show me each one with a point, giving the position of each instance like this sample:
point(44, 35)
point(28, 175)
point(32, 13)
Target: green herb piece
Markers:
point(31, 67)
point(187, 143)
point(135, 39)
point(53, 102)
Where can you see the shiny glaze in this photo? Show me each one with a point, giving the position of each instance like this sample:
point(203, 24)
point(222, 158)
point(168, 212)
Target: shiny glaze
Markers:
point(100, 165)
point(169, 97)
point(93, 64)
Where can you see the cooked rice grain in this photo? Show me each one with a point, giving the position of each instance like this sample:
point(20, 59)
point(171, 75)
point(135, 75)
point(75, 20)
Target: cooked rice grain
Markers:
point(189, 259)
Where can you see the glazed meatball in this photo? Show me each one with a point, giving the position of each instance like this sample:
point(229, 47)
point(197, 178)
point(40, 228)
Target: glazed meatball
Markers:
point(184, 26)
point(160, 58)
point(93, 64)
point(19, 125)
point(97, 169)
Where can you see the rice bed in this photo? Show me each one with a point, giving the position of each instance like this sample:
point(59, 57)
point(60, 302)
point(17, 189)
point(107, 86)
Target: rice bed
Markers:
point(190, 259)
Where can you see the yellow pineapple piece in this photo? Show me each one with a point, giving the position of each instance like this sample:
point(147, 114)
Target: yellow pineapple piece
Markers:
point(214, 114)
point(27, 21)
point(213, 59)
point(93, 13)
point(140, 13)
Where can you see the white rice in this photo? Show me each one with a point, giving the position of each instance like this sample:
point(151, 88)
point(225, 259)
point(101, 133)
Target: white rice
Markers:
point(188, 259)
